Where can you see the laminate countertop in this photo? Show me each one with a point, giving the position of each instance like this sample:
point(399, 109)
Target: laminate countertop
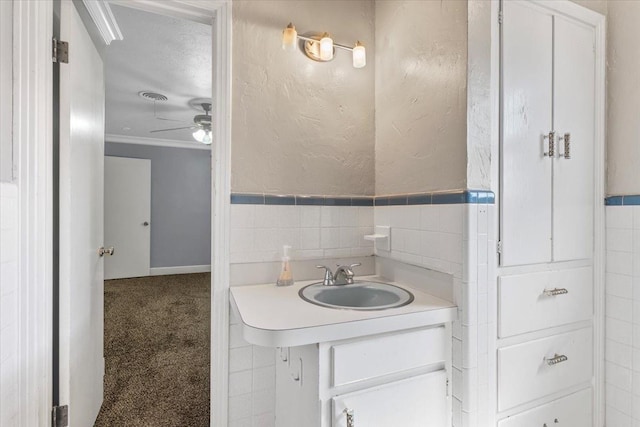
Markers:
point(273, 316)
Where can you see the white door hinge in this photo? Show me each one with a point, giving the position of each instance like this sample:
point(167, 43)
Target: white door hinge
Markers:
point(499, 247)
point(500, 18)
point(60, 51)
point(447, 387)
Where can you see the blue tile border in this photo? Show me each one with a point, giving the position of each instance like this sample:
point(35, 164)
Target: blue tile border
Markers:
point(630, 200)
point(443, 198)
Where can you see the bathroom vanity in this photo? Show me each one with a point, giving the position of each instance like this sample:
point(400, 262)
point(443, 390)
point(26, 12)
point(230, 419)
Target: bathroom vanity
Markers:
point(346, 367)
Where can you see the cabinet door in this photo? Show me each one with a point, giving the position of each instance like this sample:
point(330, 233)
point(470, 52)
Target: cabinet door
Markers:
point(574, 113)
point(415, 402)
point(526, 118)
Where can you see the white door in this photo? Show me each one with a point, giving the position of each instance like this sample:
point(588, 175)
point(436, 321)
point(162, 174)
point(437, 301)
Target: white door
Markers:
point(81, 222)
point(527, 102)
point(415, 402)
point(574, 114)
point(127, 216)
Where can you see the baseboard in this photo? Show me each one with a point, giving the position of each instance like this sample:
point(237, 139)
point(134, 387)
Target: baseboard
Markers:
point(184, 269)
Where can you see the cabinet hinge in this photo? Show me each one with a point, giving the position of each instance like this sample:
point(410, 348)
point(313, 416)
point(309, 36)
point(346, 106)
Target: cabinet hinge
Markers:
point(60, 51)
point(60, 416)
point(499, 247)
point(447, 386)
point(500, 19)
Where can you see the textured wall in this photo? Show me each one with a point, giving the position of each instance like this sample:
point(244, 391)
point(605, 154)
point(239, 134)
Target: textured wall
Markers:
point(599, 6)
point(180, 202)
point(421, 97)
point(300, 126)
point(623, 106)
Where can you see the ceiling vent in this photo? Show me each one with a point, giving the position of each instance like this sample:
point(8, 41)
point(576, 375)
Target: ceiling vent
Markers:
point(152, 96)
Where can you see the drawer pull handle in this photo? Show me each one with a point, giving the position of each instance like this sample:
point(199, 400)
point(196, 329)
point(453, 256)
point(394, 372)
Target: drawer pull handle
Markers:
point(555, 291)
point(557, 358)
point(350, 418)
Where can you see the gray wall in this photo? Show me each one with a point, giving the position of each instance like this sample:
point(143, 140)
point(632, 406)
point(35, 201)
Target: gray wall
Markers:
point(180, 202)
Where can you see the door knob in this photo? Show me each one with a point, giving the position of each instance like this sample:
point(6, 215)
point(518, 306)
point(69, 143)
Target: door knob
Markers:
point(108, 251)
point(146, 223)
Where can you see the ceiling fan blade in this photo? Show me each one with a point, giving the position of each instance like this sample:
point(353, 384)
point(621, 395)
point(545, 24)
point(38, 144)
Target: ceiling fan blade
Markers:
point(165, 130)
point(172, 120)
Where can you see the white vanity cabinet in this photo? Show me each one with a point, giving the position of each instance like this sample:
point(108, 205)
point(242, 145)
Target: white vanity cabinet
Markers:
point(398, 378)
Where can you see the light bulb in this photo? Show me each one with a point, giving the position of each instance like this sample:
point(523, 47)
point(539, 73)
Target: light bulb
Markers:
point(206, 139)
point(198, 135)
point(359, 55)
point(289, 37)
point(326, 47)
point(203, 136)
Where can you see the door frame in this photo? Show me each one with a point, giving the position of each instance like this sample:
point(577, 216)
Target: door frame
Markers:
point(217, 13)
point(32, 126)
point(33, 129)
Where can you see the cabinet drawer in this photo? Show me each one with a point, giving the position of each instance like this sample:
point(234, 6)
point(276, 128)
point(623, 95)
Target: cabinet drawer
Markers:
point(574, 410)
point(524, 306)
point(362, 360)
point(526, 371)
point(415, 402)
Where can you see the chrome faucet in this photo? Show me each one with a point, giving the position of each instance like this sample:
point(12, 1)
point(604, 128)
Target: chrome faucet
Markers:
point(343, 275)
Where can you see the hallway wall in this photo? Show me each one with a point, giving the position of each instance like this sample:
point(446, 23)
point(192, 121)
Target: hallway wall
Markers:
point(180, 202)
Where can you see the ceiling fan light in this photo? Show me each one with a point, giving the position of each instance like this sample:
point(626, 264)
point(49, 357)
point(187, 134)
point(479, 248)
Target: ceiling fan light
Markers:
point(199, 135)
point(206, 139)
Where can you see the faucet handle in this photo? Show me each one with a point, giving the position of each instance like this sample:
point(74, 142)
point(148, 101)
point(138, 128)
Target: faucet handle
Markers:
point(328, 275)
point(357, 264)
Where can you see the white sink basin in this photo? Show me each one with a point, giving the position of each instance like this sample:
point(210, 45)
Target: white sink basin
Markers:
point(361, 295)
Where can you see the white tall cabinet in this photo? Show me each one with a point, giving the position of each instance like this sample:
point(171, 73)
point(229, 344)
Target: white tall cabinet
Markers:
point(550, 194)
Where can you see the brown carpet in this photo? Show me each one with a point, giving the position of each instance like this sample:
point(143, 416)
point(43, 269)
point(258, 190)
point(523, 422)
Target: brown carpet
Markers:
point(156, 347)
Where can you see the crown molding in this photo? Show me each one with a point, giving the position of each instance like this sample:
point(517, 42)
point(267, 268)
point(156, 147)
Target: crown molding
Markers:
point(139, 140)
point(102, 16)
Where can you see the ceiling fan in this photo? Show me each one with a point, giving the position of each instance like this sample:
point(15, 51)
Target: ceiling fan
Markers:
point(202, 124)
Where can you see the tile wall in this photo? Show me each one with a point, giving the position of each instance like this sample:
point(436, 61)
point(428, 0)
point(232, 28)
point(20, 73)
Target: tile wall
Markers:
point(458, 239)
point(258, 233)
point(8, 305)
point(622, 316)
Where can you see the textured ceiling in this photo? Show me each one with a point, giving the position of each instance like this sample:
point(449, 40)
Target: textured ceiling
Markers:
point(158, 54)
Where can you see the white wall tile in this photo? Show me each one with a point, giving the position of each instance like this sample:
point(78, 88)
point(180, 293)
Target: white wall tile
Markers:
point(240, 383)
point(619, 308)
point(240, 359)
point(618, 217)
point(310, 238)
point(240, 406)
point(619, 239)
point(619, 285)
point(309, 216)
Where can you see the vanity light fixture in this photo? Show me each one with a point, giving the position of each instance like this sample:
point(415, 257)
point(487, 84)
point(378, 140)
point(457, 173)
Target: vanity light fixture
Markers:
point(321, 47)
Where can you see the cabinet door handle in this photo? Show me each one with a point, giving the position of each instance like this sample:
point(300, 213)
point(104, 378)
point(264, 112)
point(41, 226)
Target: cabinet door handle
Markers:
point(557, 358)
point(555, 291)
point(567, 145)
point(350, 417)
point(551, 137)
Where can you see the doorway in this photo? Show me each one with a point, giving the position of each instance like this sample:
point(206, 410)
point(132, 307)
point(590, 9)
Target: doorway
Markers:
point(157, 222)
point(73, 387)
